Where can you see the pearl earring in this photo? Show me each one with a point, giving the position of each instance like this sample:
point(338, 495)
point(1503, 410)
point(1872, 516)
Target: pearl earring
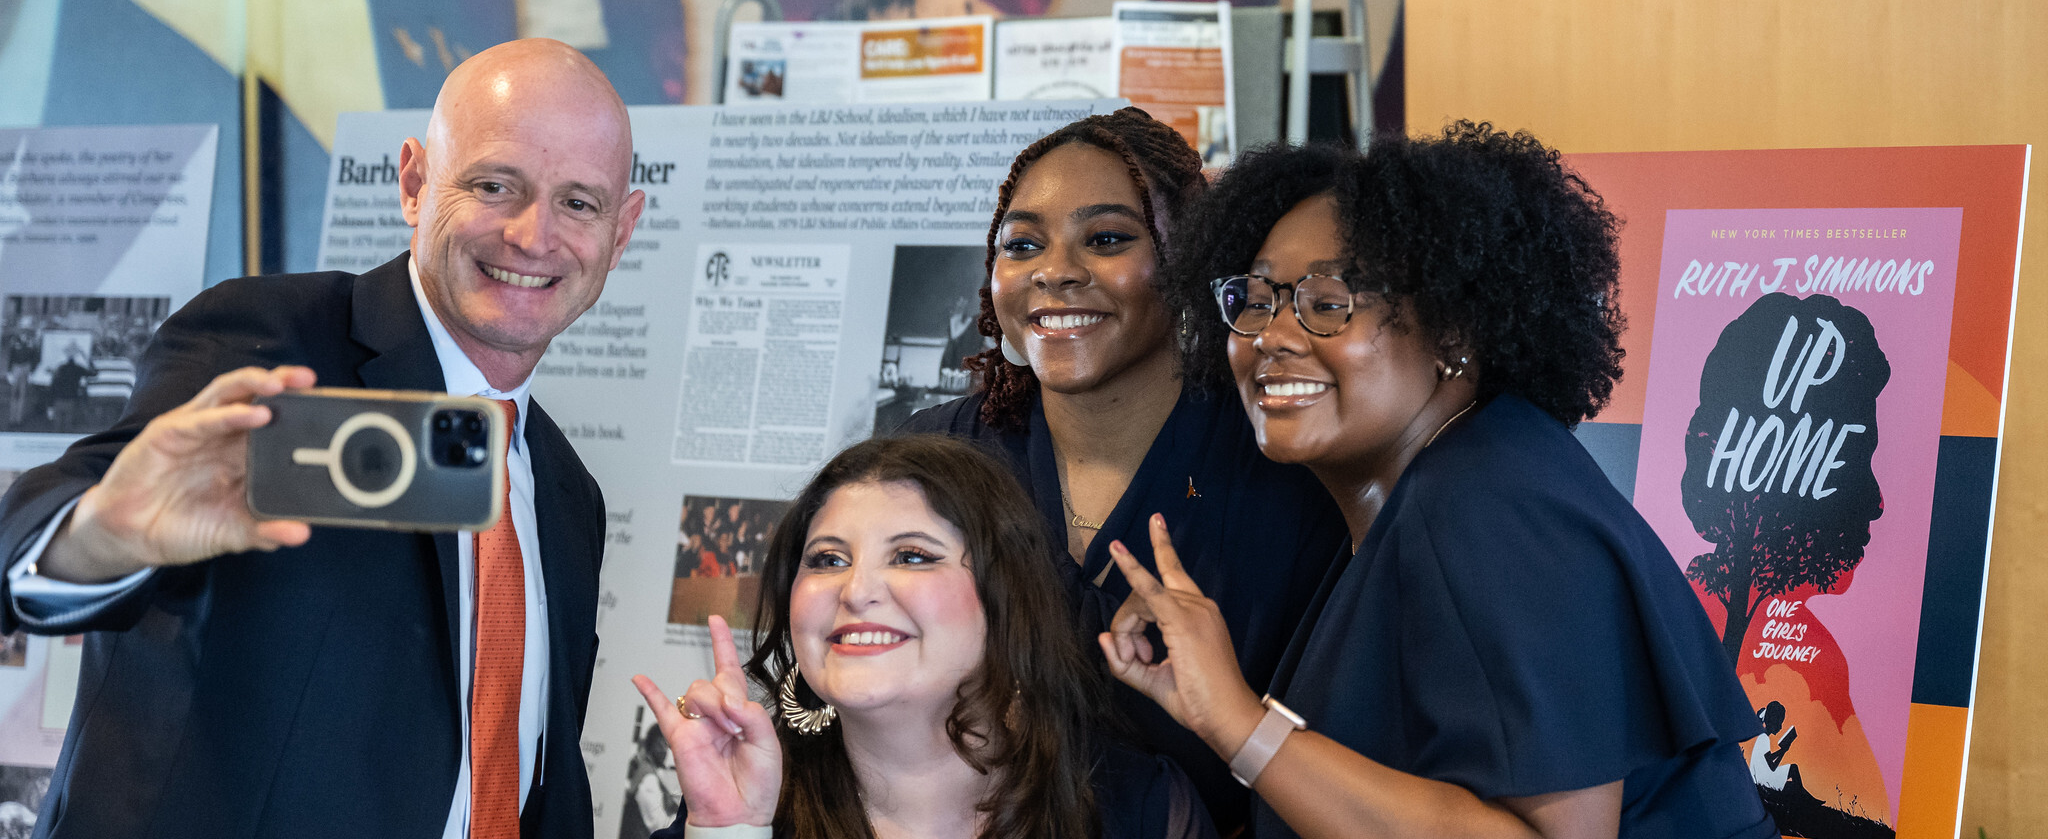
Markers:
point(1012, 354)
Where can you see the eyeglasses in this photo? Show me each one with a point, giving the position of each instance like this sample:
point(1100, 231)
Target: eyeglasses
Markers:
point(1322, 302)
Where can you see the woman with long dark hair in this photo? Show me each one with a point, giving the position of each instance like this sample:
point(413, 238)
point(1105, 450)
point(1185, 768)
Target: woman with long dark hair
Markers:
point(1510, 652)
point(1084, 394)
point(920, 689)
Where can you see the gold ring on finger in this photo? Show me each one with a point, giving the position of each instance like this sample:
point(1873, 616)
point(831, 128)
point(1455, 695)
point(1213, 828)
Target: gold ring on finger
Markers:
point(685, 710)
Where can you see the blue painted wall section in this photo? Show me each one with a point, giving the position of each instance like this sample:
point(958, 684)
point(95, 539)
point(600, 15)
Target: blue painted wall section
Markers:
point(299, 193)
point(114, 64)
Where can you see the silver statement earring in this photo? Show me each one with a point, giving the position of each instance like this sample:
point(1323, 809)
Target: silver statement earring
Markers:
point(804, 720)
point(1012, 354)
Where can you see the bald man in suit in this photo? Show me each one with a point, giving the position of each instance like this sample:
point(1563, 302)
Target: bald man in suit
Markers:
point(266, 678)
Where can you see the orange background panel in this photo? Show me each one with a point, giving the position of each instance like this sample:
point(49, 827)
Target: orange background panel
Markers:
point(1968, 408)
point(1935, 735)
point(1984, 180)
point(1609, 76)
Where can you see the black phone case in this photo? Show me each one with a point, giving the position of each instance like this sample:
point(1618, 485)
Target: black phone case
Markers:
point(313, 462)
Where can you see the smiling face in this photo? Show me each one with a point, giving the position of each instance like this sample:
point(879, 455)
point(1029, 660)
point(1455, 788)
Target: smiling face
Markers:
point(884, 611)
point(1072, 281)
point(1343, 402)
point(520, 200)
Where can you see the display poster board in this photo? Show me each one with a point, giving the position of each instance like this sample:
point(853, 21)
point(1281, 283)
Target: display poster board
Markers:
point(1173, 60)
point(361, 223)
point(102, 236)
point(801, 276)
point(1056, 58)
point(832, 62)
point(1810, 419)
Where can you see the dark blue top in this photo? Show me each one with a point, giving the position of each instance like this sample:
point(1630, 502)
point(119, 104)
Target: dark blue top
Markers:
point(1257, 536)
point(1147, 797)
point(1511, 625)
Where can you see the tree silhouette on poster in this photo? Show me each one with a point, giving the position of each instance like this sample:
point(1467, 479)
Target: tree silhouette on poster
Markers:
point(1777, 457)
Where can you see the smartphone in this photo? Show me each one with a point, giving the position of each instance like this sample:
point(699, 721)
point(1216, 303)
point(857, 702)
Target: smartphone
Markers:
point(389, 459)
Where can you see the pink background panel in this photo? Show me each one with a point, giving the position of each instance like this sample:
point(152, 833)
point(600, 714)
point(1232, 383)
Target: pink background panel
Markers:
point(1876, 620)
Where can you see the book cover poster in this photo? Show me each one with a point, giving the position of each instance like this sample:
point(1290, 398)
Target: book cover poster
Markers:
point(1789, 439)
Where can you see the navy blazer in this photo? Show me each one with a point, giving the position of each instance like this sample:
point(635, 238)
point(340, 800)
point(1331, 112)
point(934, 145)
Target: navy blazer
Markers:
point(1257, 536)
point(1510, 624)
point(309, 692)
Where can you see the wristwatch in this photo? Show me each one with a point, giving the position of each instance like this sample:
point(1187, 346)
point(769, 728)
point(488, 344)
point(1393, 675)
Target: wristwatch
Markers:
point(1258, 750)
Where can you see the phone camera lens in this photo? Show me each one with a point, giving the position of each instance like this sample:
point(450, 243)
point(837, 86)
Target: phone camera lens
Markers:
point(370, 459)
point(456, 453)
point(443, 422)
point(473, 423)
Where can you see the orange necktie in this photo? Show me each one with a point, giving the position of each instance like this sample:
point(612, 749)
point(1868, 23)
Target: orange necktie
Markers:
point(500, 654)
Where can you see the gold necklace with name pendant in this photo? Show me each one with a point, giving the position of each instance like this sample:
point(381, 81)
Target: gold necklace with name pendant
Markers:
point(1074, 519)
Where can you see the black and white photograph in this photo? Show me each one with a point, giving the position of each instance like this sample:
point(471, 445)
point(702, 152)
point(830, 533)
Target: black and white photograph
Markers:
point(71, 358)
point(653, 794)
point(934, 300)
point(22, 789)
point(13, 646)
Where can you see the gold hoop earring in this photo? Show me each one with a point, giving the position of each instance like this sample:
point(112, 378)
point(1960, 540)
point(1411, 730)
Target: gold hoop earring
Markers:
point(803, 720)
point(1446, 372)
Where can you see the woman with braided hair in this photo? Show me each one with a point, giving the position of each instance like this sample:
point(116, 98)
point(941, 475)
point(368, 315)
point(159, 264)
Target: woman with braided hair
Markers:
point(1084, 395)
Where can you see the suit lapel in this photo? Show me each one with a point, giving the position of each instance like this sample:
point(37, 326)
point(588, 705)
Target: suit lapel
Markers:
point(564, 515)
point(386, 321)
point(568, 515)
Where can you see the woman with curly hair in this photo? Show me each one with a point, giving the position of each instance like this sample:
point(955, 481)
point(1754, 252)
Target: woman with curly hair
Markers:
point(1510, 651)
point(1084, 395)
point(920, 690)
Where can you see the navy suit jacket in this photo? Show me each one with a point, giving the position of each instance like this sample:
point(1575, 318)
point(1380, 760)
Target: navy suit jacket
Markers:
point(309, 692)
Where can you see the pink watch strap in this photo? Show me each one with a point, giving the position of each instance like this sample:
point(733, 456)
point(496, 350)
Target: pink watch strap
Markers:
point(1258, 750)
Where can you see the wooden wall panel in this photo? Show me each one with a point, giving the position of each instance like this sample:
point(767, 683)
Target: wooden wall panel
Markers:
point(1608, 75)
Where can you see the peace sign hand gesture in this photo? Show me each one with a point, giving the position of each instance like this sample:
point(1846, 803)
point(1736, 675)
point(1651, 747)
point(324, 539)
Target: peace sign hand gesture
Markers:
point(1198, 682)
point(727, 757)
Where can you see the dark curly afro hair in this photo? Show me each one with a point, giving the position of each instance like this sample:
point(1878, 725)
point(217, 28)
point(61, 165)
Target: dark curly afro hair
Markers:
point(1482, 239)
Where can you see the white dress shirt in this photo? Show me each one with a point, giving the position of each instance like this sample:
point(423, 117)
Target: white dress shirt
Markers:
point(39, 599)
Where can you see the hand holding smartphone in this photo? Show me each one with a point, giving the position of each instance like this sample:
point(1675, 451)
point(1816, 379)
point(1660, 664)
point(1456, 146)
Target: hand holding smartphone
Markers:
point(398, 460)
